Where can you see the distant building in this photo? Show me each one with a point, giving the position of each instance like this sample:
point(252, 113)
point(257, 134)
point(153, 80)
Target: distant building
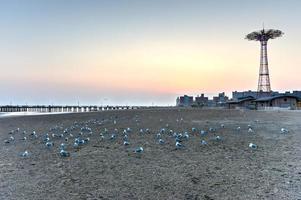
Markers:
point(220, 100)
point(185, 101)
point(201, 100)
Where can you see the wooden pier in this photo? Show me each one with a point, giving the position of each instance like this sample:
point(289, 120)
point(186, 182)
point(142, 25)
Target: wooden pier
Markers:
point(49, 109)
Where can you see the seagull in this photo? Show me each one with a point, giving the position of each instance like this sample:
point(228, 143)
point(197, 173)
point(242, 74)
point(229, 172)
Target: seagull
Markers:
point(125, 143)
point(64, 153)
point(283, 130)
point(218, 138)
point(11, 138)
point(238, 128)
point(158, 135)
point(250, 130)
point(193, 129)
point(161, 141)
point(253, 146)
point(138, 150)
point(76, 145)
point(113, 136)
point(101, 136)
point(186, 135)
point(179, 145)
point(49, 144)
point(203, 142)
point(203, 132)
point(125, 137)
point(25, 154)
point(211, 129)
point(141, 131)
point(222, 125)
point(62, 146)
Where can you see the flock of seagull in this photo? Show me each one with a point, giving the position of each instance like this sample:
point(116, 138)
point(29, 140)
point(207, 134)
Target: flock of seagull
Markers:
point(79, 134)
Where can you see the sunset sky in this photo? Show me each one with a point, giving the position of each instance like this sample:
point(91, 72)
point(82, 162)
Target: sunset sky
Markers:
point(141, 52)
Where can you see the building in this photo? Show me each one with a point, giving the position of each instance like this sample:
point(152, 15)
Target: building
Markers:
point(255, 94)
point(245, 102)
point(184, 101)
point(287, 101)
point(201, 100)
point(220, 100)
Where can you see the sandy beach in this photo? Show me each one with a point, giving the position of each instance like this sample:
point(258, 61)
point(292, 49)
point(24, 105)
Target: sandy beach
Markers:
point(104, 168)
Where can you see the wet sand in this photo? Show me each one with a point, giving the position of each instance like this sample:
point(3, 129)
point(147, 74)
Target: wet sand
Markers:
point(106, 169)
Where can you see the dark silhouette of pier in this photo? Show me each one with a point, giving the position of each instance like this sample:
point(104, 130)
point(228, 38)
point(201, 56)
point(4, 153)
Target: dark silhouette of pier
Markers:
point(51, 108)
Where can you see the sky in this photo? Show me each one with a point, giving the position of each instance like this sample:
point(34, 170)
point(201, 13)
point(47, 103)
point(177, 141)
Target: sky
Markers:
point(141, 52)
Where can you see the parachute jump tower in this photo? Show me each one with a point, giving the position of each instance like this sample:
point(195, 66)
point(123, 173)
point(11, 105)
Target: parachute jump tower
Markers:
point(264, 85)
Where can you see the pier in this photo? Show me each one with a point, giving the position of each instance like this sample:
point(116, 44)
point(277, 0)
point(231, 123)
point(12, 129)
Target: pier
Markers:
point(51, 108)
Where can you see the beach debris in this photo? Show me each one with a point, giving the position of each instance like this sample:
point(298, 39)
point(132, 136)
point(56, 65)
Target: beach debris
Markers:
point(284, 130)
point(238, 128)
point(250, 130)
point(193, 129)
point(252, 146)
point(64, 153)
point(138, 150)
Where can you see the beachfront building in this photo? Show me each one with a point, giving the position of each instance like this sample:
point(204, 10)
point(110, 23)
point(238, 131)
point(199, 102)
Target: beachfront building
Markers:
point(284, 101)
point(244, 102)
point(239, 95)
